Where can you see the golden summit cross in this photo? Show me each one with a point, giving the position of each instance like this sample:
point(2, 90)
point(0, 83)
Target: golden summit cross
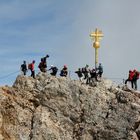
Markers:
point(96, 36)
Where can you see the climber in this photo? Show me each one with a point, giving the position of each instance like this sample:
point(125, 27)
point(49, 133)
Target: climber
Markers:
point(79, 73)
point(53, 70)
point(24, 68)
point(31, 67)
point(100, 70)
point(44, 60)
point(86, 71)
point(42, 65)
point(135, 78)
point(130, 77)
point(93, 75)
point(64, 71)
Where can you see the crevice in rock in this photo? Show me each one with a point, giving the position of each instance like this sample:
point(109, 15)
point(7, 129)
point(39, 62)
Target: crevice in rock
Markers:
point(79, 127)
point(138, 134)
point(32, 120)
point(32, 127)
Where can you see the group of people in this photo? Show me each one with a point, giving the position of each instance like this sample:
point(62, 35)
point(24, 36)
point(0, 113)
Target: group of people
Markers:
point(133, 76)
point(90, 75)
point(85, 73)
point(43, 68)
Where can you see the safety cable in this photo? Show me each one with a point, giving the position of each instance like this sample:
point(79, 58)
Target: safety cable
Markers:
point(8, 75)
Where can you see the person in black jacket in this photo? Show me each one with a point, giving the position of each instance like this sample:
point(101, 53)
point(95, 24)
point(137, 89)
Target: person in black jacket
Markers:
point(79, 73)
point(100, 70)
point(53, 70)
point(42, 65)
point(24, 68)
point(64, 71)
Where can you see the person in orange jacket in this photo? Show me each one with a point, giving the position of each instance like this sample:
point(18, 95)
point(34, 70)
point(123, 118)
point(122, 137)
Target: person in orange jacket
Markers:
point(31, 67)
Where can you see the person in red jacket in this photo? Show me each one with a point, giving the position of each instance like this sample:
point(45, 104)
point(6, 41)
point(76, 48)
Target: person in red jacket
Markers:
point(31, 67)
point(130, 78)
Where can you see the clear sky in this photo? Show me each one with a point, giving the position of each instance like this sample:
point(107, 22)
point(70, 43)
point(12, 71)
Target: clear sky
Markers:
point(29, 29)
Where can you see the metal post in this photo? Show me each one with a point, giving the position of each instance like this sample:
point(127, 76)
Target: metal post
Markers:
point(96, 58)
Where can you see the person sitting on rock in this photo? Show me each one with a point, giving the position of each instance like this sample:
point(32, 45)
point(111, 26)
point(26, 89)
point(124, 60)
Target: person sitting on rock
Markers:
point(53, 70)
point(64, 71)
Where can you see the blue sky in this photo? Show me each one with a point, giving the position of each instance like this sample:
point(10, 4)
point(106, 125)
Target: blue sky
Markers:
point(31, 28)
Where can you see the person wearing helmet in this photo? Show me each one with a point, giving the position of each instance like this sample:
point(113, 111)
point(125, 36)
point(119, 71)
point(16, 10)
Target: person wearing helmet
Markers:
point(53, 70)
point(64, 71)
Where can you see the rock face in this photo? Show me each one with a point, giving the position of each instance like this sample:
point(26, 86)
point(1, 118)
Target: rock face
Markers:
point(50, 108)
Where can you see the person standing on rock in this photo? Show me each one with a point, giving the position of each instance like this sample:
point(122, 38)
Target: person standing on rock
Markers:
point(24, 68)
point(31, 68)
point(100, 70)
point(44, 60)
point(86, 73)
point(42, 65)
point(130, 78)
point(93, 75)
point(79, 73)
point(135, 78)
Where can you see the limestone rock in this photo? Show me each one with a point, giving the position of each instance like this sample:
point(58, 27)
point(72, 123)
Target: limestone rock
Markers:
point(50, 108)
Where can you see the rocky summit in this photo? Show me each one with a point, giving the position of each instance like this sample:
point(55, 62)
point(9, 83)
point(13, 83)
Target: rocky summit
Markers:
point(50, 108)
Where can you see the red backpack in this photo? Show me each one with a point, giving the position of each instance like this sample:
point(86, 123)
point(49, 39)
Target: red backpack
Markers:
point(30, 66)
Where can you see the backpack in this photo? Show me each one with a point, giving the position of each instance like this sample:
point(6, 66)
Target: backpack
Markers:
point(136, 75)
point(30, 66)
point(55, 69)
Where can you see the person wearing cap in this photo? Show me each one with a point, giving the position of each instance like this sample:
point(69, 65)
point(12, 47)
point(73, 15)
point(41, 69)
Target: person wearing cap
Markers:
point(64, 71)
point(24, 68)
point(53, 70)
